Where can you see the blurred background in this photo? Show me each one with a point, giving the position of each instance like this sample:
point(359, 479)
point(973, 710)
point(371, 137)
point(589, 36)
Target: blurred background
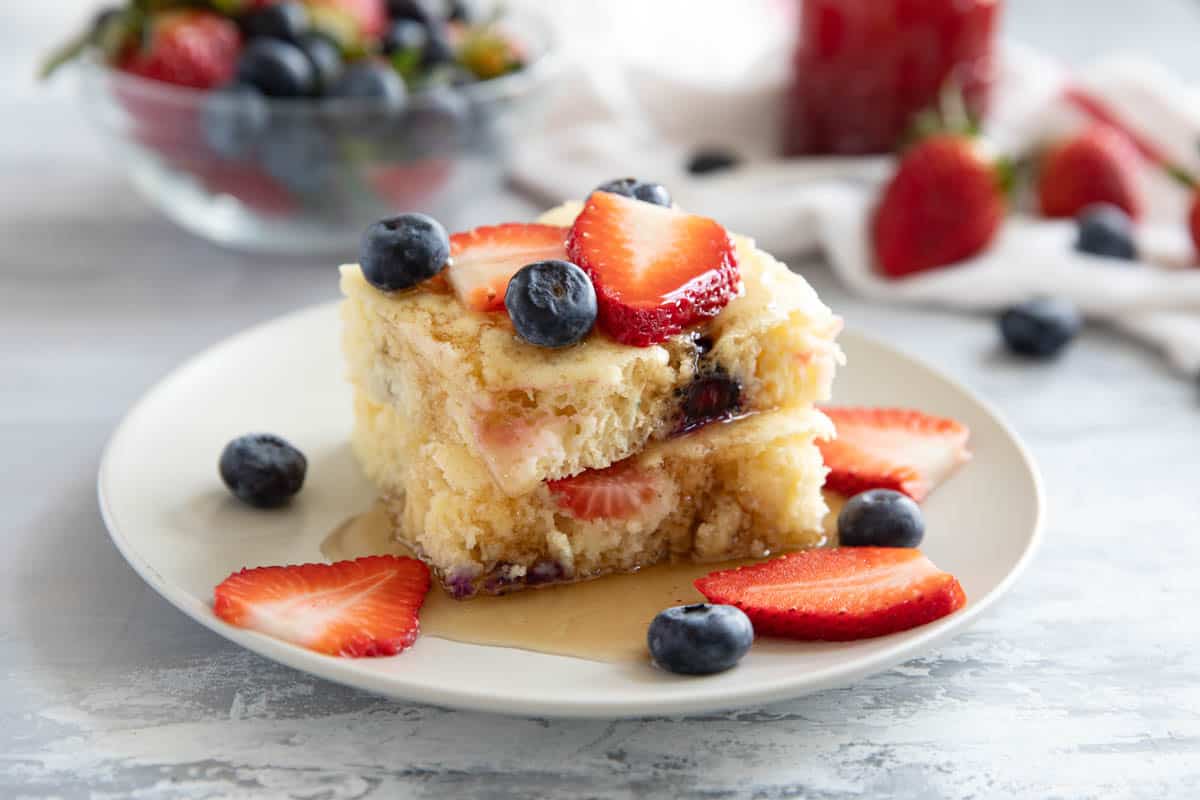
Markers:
point(779, 120)
point(1085, 675)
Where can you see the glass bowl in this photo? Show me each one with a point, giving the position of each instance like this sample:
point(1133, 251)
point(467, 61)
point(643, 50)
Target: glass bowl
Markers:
point(309, 175)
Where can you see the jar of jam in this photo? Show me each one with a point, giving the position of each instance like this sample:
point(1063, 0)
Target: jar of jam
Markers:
point(863, 68)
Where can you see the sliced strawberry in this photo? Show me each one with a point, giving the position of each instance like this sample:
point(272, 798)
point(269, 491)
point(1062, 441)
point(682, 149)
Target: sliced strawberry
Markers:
point(364, 607)
point(619, 491)
point(656, 269)
point(892, 448)
point(483, 259)
point(840, 594)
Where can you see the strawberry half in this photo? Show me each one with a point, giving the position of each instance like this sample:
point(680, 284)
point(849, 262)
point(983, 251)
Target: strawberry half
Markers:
point(619, 491)
point(364, 607)
point(484, 259)
point(892, 448)
point(656, 269)
point(839, 594)
point(1096, 166)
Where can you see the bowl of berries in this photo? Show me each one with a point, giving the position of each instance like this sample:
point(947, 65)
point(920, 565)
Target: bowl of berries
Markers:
point(286, 125)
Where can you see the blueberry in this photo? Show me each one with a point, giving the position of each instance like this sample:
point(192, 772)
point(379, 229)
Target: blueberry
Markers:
point(551, 303)
point(402, 251)
point(427, 11)
point(233, 120)
point(300, 154)
point(325, 56)
point(463, 11)
point(438, 50)
point(712, 159)
point(1105, 230)
point(544, 570)
point(621, 186)
point(699, 639)
point(372, 80)
point(654, 193)
point(1041, 327)
point(404, 35)
point(277, 68)
point(286, 20)
point(436, 121)
point(262, 469)
point(708, 399)
point(880, 518)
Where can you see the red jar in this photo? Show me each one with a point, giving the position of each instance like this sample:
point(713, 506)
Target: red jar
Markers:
point(862, 68)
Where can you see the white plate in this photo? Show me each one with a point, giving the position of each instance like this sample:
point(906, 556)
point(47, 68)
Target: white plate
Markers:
point(174, 522)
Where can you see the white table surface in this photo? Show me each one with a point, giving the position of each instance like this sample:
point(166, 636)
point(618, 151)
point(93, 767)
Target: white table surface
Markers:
point(1083, 683)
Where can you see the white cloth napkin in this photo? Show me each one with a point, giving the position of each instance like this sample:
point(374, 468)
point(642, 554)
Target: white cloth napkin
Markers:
point(623, 113)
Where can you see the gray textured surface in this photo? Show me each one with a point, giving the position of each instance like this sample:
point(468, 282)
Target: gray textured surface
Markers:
point(1083, 683)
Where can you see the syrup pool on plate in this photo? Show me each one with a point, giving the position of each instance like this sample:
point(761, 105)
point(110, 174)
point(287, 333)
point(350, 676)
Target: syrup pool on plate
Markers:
point(604, 619)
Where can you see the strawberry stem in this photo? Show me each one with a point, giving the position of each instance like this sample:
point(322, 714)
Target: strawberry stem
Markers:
point(68, 51)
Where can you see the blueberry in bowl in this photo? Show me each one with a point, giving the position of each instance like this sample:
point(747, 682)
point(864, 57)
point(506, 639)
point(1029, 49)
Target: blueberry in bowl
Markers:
point(290, 125)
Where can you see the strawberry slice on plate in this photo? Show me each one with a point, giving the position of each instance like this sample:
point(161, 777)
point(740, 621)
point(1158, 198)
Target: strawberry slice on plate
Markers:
point(364, 607)
point(484, 259)
point(840, 594)
point(656, 270)
point(619, 491)
point(892, 448)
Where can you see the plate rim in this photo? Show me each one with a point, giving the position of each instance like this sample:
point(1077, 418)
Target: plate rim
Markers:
point(343, 672)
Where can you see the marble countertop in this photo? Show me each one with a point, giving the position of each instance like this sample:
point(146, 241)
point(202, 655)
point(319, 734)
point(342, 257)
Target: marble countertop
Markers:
point(1083, 682)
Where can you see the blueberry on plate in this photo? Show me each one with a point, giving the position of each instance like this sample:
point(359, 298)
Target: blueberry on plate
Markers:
point(1040, 328)
point(654, 193)
point(277, 68)
point(880, 518)
point(1105, 230)
point(402, 251)
point(711, 159)
point(286, 20)
point(699, 639)
point(262, 469)
point(326, 57)
point(551, 303)
point(233, 120)
point(647, 192)
point(372, 80)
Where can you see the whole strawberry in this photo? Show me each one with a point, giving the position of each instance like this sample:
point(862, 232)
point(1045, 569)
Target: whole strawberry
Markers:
point(1194, 221)
point(1098, 165)
point(944, 204)
point(188, 48)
